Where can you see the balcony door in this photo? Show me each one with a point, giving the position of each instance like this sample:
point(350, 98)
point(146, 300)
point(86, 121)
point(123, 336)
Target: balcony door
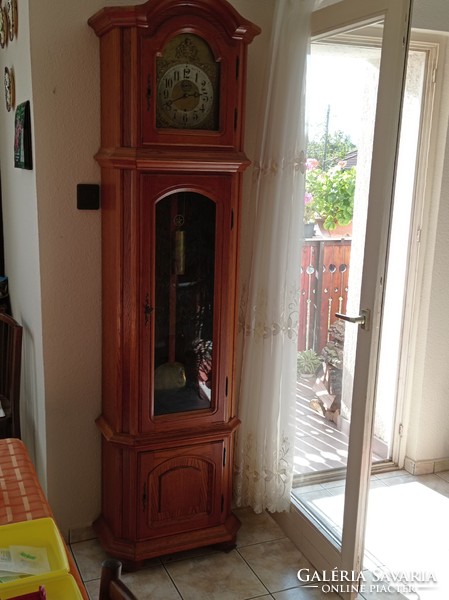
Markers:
point(377, 101)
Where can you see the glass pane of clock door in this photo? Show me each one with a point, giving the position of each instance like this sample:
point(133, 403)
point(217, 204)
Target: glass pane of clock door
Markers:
point(184, 303)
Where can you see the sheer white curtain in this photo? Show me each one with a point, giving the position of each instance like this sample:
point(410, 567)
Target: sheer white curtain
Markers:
point(270, 292)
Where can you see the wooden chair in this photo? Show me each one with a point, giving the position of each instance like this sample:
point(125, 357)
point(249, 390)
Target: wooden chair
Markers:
point(111, 586)
point(10, 365)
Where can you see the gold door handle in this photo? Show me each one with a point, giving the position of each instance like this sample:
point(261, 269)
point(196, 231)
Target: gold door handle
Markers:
point(363, 319)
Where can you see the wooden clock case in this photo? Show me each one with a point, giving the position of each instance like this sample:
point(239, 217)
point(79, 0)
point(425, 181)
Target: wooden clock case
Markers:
point(167, 474)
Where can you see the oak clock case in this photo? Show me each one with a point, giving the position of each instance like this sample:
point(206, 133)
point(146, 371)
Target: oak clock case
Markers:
point(171, 157)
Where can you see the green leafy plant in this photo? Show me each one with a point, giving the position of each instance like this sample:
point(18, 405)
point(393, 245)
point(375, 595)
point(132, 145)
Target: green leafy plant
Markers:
point(330, 148)
point(330, 194)
point(307, 362)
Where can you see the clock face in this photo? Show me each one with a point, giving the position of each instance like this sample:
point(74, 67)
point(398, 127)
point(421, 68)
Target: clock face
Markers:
point(187, 85)
point(185, 96)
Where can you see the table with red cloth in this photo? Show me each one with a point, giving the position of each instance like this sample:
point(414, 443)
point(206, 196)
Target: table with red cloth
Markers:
point(21, 495)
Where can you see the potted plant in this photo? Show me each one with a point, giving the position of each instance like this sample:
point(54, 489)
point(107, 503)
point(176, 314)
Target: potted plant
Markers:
point(307, 363)
point(331, 193)
point(309, 216)
point(309, 210)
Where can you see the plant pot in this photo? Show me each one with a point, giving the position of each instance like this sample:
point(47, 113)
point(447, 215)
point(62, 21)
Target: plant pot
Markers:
point(309, 230)
point(340, 231)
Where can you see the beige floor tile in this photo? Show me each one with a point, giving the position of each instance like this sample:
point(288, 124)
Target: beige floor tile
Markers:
point(385, 595)
point(256, 528)
point(151, 582)
point(443, 475)
point(404, 477)
point(93, 588)
point(391, 474)
point(303, 593)
point(215, 577)
point(88, 556)
point(435, 483)
point(275, 563)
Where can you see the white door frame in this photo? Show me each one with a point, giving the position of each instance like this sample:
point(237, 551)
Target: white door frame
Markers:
point(428, 176)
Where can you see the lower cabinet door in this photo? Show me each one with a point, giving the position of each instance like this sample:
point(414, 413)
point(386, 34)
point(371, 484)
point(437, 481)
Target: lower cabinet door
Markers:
point(181, 489)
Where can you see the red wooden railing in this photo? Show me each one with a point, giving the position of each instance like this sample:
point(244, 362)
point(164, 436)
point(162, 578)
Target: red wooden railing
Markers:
point(323, 289)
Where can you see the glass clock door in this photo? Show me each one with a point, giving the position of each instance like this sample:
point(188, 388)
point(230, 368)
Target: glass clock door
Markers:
point(184, 279)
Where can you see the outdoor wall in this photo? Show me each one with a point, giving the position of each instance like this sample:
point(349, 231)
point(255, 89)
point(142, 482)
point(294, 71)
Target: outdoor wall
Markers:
point(53, 250)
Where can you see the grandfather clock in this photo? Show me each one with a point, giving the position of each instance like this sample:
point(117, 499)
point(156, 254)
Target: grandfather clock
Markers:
point(172, 121)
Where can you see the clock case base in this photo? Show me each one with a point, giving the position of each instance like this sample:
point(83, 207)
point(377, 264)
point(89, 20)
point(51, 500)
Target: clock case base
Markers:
point(134, 553)
point(147, 510)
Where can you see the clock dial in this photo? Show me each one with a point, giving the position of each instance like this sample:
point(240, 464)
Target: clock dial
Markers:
point(185, 96)
point(187, 85)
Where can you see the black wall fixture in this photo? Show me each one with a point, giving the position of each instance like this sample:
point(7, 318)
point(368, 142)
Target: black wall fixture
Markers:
point(87, 196)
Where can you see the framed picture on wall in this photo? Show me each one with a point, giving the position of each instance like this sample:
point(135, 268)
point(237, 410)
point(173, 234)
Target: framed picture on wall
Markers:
point(22, 137)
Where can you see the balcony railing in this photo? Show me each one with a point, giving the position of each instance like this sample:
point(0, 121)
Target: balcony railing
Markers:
point(323, 289)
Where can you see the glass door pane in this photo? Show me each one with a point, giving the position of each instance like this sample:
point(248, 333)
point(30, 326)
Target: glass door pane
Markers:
point(323, 441)
point(342, 85)
point(184, 303)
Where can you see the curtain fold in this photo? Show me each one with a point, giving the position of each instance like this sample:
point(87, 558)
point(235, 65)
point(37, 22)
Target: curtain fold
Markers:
point(268, 314)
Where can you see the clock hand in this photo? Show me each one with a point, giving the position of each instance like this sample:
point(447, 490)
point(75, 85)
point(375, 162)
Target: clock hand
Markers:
point(172, 100)
point(169, 102)
point(180, 97)
point(186, 95)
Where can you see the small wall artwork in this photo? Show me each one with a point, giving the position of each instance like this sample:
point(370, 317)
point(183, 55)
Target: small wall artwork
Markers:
point(23, 158)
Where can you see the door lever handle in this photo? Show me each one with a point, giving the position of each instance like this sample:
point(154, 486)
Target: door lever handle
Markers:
point(363, 319)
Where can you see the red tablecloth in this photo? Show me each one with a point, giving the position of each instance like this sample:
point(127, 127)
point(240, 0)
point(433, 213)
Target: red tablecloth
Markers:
point(22, 497)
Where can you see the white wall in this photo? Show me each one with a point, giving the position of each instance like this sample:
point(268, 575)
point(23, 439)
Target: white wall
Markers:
point(22, 260)
point(53, 249)
point(428, 430)
point(431, 14)
point(66, 133)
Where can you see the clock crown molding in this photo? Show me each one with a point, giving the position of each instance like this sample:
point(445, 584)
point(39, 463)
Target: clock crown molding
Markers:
point(152, 14)
point(163, 160)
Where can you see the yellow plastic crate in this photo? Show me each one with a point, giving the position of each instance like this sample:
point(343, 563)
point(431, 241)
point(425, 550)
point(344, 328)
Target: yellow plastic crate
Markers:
point(42, 533)
point(57, 588)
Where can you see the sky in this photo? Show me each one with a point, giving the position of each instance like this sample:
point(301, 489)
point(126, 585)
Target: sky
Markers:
point(339, 77)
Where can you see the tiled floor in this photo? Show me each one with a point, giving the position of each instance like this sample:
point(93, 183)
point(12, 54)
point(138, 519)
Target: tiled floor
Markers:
point(264, 565)
point(407, 531)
